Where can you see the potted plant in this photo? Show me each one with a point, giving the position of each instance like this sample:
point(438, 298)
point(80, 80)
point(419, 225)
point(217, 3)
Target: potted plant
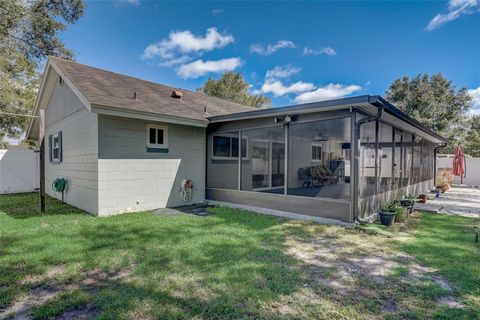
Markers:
point(401, 214)
point(387, 214)
point(423, 198)
point(407, 203)
point(443, 185)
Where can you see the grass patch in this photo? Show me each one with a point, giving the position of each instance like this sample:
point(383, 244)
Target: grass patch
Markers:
point(66, 301)
point(448, 243)
point(226, 265)
point(229, 265)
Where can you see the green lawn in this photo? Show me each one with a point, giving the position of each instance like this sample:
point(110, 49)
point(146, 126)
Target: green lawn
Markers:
point(229, 265)
point(447, 243)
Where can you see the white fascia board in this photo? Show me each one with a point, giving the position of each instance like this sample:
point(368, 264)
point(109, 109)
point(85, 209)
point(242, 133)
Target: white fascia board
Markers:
point(37, 99)
point(113, 111)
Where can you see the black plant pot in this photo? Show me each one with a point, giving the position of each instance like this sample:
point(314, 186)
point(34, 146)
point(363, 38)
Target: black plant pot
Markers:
point(406, 203)
point(387, 217)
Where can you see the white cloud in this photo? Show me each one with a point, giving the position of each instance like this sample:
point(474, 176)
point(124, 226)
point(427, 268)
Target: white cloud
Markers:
point(199, 68)
point(182, 47)
point(330, 91)
point(184, 42)
point(306, 91)
point(133, 2)
point(282, 44)
point(216, 12)
point(278, 89)
point(456, 8)
point(175, 61)
point(282, 72)
point(329, 51)
point(275, 86)
point(475, 94)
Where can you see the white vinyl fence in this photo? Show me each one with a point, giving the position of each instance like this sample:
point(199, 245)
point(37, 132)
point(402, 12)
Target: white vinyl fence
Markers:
point(472, 178)
point(19, 170)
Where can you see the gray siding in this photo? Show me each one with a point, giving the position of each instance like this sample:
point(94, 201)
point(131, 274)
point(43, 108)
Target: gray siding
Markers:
point(79, 127)
point(132, 179)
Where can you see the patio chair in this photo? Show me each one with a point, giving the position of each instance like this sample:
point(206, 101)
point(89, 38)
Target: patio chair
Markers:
point(328, 174)
point(316, 178)
point(305, 177)
point(318, 175)
point(327, 171)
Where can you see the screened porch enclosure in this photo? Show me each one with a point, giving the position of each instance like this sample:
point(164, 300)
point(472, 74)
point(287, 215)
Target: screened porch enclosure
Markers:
point(308, 166)
point(317, 163)
point(392, 162)
point(309, 158)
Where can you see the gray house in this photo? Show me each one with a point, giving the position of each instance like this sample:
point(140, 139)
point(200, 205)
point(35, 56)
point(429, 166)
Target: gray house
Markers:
point(126, 144)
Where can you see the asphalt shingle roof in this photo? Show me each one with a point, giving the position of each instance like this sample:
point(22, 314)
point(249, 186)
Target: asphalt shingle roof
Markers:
point(106, 88)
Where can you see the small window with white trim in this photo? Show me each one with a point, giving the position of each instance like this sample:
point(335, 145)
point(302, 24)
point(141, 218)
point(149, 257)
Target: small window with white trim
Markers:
point(55, 147)
point(157, 136)
point(316, 152)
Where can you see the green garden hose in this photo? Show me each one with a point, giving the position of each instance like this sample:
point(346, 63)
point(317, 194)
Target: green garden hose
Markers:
point(59, 185)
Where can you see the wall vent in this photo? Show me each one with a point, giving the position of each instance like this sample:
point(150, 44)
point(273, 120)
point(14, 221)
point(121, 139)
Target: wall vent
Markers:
point(177, 94)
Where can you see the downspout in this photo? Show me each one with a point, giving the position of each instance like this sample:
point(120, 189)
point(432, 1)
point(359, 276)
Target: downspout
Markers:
point(443, 145)
point(358, 124)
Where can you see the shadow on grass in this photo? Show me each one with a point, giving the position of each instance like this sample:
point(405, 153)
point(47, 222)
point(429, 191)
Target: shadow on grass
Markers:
point(227, 265)
point(26, 205)
point(448, 244)
point(224, 267)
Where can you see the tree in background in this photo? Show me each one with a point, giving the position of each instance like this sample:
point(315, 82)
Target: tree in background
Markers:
point(436, 103)
point(232, 86)
point(29, 32)
point(471, 145)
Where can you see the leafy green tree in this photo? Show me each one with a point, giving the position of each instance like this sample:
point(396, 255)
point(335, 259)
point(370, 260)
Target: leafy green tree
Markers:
point(232, 86)
point(29, 32)
point(472, 139)
point(18, 88)
point(436, 103)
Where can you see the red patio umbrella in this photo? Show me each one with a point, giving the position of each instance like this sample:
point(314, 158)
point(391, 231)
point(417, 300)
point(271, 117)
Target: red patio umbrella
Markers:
point(459, 165)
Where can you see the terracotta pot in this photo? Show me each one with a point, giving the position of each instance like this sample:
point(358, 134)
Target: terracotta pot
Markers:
point(423, 198)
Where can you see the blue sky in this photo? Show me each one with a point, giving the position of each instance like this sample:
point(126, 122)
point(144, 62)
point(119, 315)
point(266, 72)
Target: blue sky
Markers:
point(291, 51)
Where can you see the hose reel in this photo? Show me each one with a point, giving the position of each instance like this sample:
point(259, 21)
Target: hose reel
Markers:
point(186, 190)
point(60, 185)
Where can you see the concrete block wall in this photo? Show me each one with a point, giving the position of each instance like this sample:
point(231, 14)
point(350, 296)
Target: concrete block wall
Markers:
point(132, 179)
point(79, 146)
point(138, 184)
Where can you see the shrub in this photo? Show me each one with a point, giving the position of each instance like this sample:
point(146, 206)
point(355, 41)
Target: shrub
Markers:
point(401, 214)
point(391, 207)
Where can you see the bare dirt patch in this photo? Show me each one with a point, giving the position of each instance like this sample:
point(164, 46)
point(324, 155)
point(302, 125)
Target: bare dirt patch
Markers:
point(21, 309)
point(45, 288)
point(52, 273)
point(351, 267)
point(88, 312)
point(451, 302)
